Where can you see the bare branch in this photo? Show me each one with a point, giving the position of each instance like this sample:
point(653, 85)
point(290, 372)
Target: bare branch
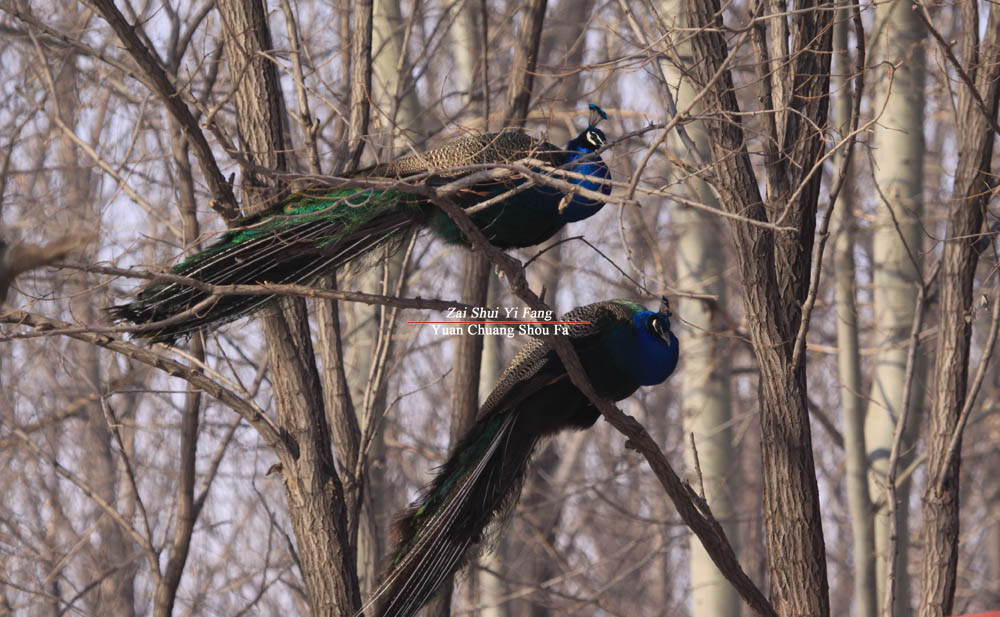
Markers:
point(253, 414)
point(153, 68)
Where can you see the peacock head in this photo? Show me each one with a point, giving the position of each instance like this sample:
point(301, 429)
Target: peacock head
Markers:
point(591, 138)
point(658, 347)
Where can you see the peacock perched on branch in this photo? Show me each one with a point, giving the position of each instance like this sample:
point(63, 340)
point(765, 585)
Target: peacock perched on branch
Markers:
point(314, 232)
point(622, 346)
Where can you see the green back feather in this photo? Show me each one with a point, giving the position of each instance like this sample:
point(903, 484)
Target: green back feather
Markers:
point(343, 210)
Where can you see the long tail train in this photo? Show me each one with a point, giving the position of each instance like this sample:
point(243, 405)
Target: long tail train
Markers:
point(312, 235)
point(448, 525)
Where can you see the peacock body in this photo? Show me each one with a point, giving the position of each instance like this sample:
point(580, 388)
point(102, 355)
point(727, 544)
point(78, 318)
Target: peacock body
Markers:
point(316, 231)
point(623, 347)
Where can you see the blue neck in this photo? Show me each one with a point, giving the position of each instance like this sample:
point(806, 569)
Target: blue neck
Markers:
point(656, 359)
point(584, 161)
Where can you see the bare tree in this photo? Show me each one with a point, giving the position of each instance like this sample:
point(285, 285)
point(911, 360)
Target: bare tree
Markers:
point(256, 468)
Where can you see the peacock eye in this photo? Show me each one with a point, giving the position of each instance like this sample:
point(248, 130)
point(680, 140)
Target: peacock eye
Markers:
point(595, 139)
point(660, 328)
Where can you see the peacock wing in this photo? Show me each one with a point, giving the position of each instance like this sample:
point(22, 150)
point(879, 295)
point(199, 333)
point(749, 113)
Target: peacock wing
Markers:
point(537, 364)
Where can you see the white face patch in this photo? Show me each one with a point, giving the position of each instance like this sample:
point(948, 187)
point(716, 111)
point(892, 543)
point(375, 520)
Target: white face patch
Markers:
point(595, 139)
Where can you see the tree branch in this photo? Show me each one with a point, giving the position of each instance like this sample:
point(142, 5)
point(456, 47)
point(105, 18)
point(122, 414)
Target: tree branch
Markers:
point(250, 412)
point(222, 192)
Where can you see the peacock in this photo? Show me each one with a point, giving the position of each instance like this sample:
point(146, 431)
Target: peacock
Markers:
point(316, 231)
point(622, 346)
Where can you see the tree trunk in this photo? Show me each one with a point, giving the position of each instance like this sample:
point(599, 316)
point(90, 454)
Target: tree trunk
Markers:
point(848, 355)
point(705, 402)
point(522, 77)
point(465, 388)
point(972, 192)
point(897, 254)
point(491, 586)
point(188, 509)
point(316, 503)
point(705, 397)
point(397, 111)
point(469, 36)
point(468, 349)
point(398, 107)
point(114, 595)
point(775, 276)
point(361, 80)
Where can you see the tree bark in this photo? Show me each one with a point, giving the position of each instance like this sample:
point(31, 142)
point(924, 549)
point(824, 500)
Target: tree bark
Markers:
point(361, 79)
point(397, 111)
point(470, 36)
point(395, 91)
point(491, 586)
point(705, 398)
point(972, 191)
point(525, 60)
point(188, 508)
point(316, 501)
point(468, 351)
point(775, 275)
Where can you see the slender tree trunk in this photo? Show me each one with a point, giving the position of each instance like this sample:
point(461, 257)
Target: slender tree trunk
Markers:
point(114, 596)
point(397, 111)
point(848, 355)
point(491, 586)
point(471, 63)
point(361, 79)
point(551, 469)
point(705, 397)
point(522, 77)
point(897, 248)
point(992, 501)
point(468, 352)
point(398, 108)
point(539, 496)
point(972, 192)
point(468, 355)
point(469, 36)
point(188, 509)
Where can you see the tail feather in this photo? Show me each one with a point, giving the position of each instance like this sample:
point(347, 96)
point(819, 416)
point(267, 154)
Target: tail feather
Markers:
point(307, 238)
point(442, 531)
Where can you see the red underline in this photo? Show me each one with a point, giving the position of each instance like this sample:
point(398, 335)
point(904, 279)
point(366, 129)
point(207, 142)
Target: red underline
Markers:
point(497, 323)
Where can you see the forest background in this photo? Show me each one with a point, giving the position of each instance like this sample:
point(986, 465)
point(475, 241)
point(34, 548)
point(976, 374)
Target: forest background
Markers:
point(811, 183)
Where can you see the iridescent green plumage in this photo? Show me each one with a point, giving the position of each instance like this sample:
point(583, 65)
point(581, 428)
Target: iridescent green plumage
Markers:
point(319, 230)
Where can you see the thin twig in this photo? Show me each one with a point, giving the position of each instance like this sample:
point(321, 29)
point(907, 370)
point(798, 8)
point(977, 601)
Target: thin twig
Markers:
point(225, 200)
point(959, 69)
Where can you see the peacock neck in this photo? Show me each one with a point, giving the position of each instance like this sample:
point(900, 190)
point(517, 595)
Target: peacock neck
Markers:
point(584, 161)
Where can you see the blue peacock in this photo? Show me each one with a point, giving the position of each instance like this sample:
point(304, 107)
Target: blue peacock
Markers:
point(622, 346)
point(316, 231)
